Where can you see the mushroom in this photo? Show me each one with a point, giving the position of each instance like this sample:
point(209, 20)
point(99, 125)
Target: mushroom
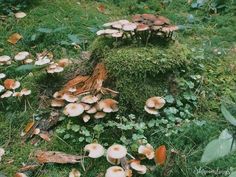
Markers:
point(147, 150)
point(73, 109)
point(86, 106)
point(17, 94)
point(89, 99)
point(171, 28)
point(69, 97)
point(137, 18)
point(129, 27)
point(25, 92)
point(86, 117)
point(2, 75)
point(149, 17)
point(20, 15)
point(11, 84)
point(95, 150)
point(1, 88)
point(115, 153)
point(123, 22)
point(151, 111)
point(117, 35)
point(57, 103)
point(21, 56)
point(28, 61)
point(115, 171)
point(101, 32)
point(142, 27)
point(99, 115)
point(54, 68)
point(161, 21)
point(155, 102)
point(42, 61)
point(64, 62)
point(5, 60)
point(141, 169)
point(108, 105)
point(20, 175)
point(7, 94)
point(58, 95)
point(74, 173)
point(92, 110)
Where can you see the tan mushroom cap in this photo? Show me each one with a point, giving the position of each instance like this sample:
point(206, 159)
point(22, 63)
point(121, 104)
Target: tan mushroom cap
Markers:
point(117, 151)
point(95, 150)
point(86, 118)
point(73, 109)
point(11, 84)
point(117, 35)
point(20, 175)
point(129, 27)
point(92, 110)
point(142, 27)
point(86, 106)
point(108, 105)
point(7, 94)
point(117, 25)
point(99, 115)
point(28, 61)
point(170, 28)
point(123, 22)
point(150, 17)
point(112, 160)
point(155, 102)
point(57, 103)
point(101, 32)
point(20, 15)
point(137, 18)
point(21, 56)
point(58, 95)
point(74, 173)
point(115, 171)
point(89, 99)
point(64, 62)
point(4, 59)
point(17, 94)
point(54, 68)
point(161, 21)
point(42, 61)
point(141, 169)
point(25, 92)
point(69, 97)
point(147, 150)
point(151, 110)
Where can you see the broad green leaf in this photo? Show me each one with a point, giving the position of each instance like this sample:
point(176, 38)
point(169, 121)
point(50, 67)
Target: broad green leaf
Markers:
point(27, 68)
point(228, 116)
point(233, 174)
point(44, 30)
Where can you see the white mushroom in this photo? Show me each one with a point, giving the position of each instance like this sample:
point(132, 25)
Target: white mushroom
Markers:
point(155, 102)
point(108, 105)
point(141, 169)
point(151, 111)
point(25, 92)
point(129, 27)
point(21, 56)
point(99, 115)
point(147, 150)
point(1, 88)
point(73, 109)
point(69, 97)
point(115, 153)
point(95, 150)
point(2, 75)
point(7, 94)
point(20, 15)
point(42, 61)
point(92, 110)
point(115, 171)
point(74, 173)
point(89, 99)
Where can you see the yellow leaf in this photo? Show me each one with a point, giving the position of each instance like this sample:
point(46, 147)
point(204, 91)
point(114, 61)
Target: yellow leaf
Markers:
point(14, 38)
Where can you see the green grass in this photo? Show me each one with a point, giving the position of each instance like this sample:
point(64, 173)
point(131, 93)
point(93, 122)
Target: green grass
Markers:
point(201, 38)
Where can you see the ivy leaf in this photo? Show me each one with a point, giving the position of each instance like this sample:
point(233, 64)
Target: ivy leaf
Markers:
point(228, 116)
point(218, 148)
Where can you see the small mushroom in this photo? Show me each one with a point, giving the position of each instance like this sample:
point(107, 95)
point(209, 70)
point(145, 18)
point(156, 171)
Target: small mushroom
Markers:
point(142, 27)
point(171, 28)
point(17, 94)
point(117, 35)
point(149, 17)
point(28, 61)
point(20, 15)
point(115, 153)
point(57, 103)
point(99, 115)
point(115, 171)
point(42, 61)
point(86, 118)
point(86, 106)
point(141, 169)
point(89, 99)
point(95, 150)
point(21, 56)
point(73, 109)
point(25, 92)
point(1, 88)
point(92, 110)
point(54, 68)
point(130, 27)
point(155, 102)
point(11, 84)
point(64, 62)
point(137, 18)
point(108, 105)
point(151, 110)
point(5, 60)
point(147, 150)
point(20, 175)
point(69, 97)
point(7, 94)
point(161, 21)
point(74, 173)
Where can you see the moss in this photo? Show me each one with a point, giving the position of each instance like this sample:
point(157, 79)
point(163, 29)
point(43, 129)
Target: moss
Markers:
point(139, 72)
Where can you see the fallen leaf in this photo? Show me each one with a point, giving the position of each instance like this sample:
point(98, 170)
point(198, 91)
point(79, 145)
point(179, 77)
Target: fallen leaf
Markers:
point(28, 168)
point(101, 8)
point(14, 38)
point(74, 173)
point(56, 157)
point(29, 126)
point(160, 155)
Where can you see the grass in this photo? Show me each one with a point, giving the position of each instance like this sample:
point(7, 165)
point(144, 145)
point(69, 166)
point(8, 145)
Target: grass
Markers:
point(201, 37)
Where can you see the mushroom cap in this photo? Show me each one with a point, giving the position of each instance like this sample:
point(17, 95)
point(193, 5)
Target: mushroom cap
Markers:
point(117, 25)
point(21, 56)
point(1, 88)
point(170, 28)
point(123, 22)
point(101, 32)
point(117, 151)
point(92, 110)
point(73, 109)
point(86, 106)
point(147, 150)
point(2, 152)
point(111, 31)
point(108, 24)
point(2, 75)
point(129, 27)
point(42, 61)
point(58, 95)
point(86, 118)
point(142, 27)
point(137, 18)
point(99, 115)
point(20, 175)
point(74, 173)
point(57, 103)
point(95, 150)
point(20, 15)
point(64, 62)
point(11, 84)
point(117, 35)
point(150, 17)
point(161, 21)
point(141, 169)
point(89, 99)
point(7, 94)
point(115, 171)
point(69, 97)
point(17, 94)
point(4, 58)
point(72, 89)
point(155, 102)
point(28, 61)
point(25, 91)
point(151, 110)
point(112, 160)
point(108, 105)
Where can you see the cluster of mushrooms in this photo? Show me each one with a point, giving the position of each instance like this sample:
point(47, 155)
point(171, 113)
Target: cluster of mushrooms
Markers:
point(42, 59)
point(143, 26)
point(86, 106)
point(117, 155)
point(154, 104)
point(9, 87)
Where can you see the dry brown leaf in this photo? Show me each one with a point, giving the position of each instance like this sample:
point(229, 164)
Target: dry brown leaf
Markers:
point(28, 168)
point(29, 126)
point(101, 8)
point(14, 38)
point(56, 157)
